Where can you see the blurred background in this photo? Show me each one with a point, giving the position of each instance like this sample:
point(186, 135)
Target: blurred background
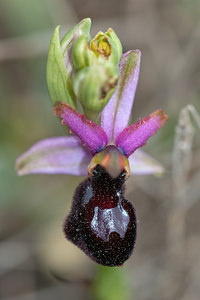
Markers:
point(36, 262)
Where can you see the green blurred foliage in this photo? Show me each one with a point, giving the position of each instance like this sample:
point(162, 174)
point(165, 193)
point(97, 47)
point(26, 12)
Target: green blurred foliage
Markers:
point(23, 17)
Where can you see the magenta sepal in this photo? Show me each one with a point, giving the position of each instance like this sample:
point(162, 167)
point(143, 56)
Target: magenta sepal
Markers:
point(136, 135)
point(91, 134)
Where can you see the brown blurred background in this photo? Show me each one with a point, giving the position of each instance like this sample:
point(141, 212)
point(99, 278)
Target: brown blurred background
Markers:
point(36, 262)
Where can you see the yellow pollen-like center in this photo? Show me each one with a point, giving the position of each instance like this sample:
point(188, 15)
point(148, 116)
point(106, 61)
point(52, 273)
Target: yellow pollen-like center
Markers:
point(104, 47)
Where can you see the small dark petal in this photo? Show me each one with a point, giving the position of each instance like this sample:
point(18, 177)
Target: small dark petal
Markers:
point(102, 222)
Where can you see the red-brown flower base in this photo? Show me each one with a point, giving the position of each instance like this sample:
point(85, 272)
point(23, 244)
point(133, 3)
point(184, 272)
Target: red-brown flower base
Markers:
point(102, 222)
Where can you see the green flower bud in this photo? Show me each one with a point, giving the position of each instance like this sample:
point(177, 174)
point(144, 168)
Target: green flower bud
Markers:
point(107, 46)
point(59, 63)
point(116, 41)
point(82, 56)
point(94, 85)
point(81, 69)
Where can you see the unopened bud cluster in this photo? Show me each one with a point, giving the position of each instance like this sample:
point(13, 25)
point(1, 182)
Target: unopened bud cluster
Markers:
point(83, 69)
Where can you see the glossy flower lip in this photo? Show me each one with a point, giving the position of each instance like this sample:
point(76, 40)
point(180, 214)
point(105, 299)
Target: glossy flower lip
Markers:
point(72, 154)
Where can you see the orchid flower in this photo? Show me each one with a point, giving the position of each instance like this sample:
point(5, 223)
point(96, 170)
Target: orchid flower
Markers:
point(102, 222)
point(72, 154)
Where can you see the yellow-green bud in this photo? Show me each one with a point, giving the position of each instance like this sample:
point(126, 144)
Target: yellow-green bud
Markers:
point(107, 46)
point(94, 85)
point(82, 56)
point(79, 68)
point(59, 63)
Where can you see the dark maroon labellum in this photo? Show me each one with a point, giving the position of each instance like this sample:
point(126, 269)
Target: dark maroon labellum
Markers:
point(102, 222)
